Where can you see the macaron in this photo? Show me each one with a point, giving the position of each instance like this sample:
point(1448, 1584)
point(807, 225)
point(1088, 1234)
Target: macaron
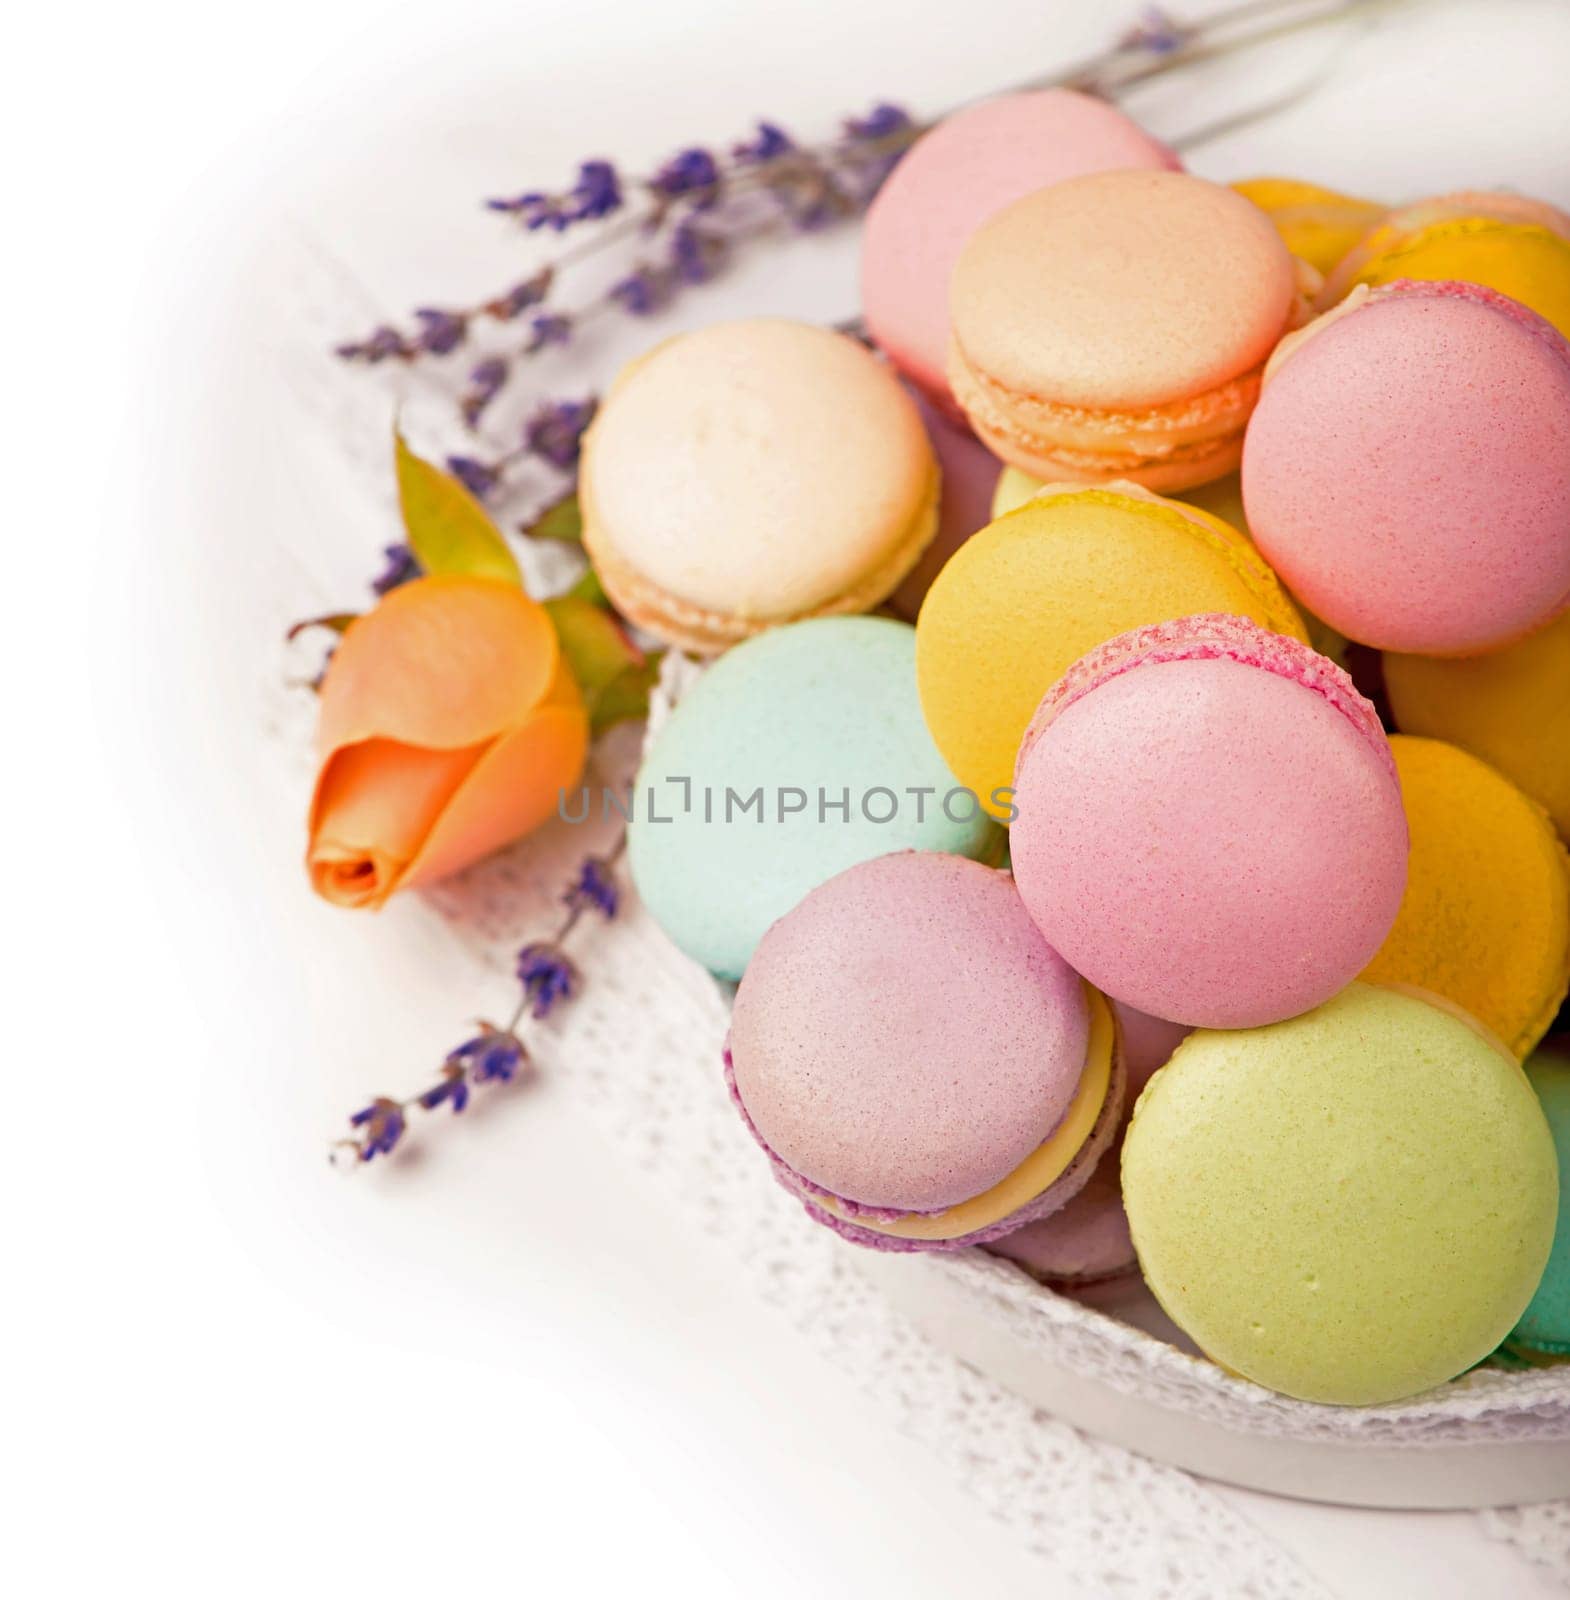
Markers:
point(1117, 326)
point(1506, 242)
point(970, 475)
point(1317, 225)
point(753, 473)
point(1511, 707)
point(922, 1068)
point(797, 754)
point(1407, 471)
point(965, 170)
point(1544, 1327)
point(1210, 825)
point(1223, 497)
point(1022, 599)
point(1485, 920)
point(1088, 1240)
point(1348, 1207)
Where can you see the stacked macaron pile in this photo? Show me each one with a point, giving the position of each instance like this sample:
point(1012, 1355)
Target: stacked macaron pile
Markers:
point(1234, 526)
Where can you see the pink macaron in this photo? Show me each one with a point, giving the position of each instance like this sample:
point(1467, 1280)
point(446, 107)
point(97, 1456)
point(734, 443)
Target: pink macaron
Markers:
point(922, 1068)
point(969, 474)
point(967, 168)
point(1407, 469)
point(1210, 824)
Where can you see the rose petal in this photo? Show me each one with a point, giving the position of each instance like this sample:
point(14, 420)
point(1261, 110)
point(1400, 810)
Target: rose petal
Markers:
point(375, 808)
point(441, 663)
point(512, 788)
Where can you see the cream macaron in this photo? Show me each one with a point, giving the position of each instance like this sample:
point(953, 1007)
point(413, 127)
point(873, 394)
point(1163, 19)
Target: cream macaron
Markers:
point(754, 473)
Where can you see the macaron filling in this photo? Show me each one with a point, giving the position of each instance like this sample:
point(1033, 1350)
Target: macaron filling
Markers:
point(1055, 1170)
point(1051, 438)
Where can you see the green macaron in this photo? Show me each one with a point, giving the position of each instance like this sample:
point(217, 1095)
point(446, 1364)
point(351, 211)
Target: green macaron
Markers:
point(1350, 1206)
point(1545, 1325)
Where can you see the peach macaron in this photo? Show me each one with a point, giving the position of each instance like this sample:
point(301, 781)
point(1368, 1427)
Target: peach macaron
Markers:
point(953, 179)
point(1407, 470)
point(1117, 326)
point(754, 473)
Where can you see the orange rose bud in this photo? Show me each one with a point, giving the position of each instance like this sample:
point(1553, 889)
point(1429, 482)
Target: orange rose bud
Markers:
point(449, 722)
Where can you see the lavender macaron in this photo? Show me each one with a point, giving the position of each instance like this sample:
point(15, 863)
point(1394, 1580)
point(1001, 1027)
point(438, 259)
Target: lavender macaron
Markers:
point(923, 1070)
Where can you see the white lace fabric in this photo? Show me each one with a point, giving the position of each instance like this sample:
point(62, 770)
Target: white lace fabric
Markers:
point(640, 1048)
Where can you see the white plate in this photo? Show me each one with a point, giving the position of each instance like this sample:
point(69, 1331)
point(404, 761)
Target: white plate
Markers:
point(1112, 1364)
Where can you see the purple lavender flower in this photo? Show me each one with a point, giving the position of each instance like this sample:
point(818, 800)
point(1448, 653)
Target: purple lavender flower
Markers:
point(384, 344)
point(453, 1089)
point(547, 976)
point(478, 477)
point(1156, 31)
point(768, 144)
point(593, 888)
point(400, 568)
point(883, 121)
point(689, 172)
point(596, 193)
point(440, 331)
point(521, 296)
point(641, 292)
point(382, 1123)
point(499, 1059)
point(555, 432)
point(696, 254)
point(546, 329)
point(485, 383)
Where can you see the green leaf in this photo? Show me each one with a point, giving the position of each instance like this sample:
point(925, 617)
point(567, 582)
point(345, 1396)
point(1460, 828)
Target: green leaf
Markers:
point(449, 530)
point(614, 675)
point(588, 588)
point(626, 697)
point(338, 621)
point(561, 520)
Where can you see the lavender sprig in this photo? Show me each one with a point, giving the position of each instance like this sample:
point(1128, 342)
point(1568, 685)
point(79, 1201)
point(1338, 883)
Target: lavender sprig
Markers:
point(802, 186)
point(552, 433)
point(763, 182)
point(496, 1053)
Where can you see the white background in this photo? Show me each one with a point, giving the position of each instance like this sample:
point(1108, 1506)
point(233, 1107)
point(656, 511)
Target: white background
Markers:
point(503, 1368)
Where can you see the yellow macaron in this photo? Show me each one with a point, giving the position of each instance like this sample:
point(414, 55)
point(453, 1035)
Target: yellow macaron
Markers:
point(1510, 243)
point(1317, 225)
point(1033, 591)
point(1485, 920)
point(1221, 498)
point(1512, 708)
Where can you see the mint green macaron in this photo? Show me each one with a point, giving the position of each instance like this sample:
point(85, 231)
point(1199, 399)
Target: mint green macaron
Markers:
point(1350, 1206)
point(796, 755)
point(1545, 1325)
